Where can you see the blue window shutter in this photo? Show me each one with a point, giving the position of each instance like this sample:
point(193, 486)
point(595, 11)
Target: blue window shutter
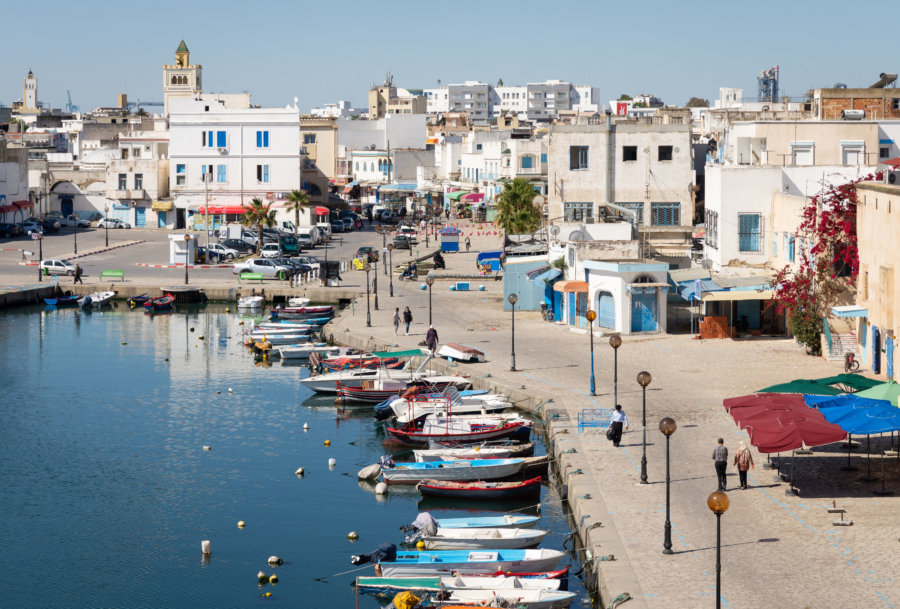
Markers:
point(265, 173)
point(220, 139)
point(543, 157)
point(209, 138)
point(265, 139)
point(259, 139)
point(220, 173)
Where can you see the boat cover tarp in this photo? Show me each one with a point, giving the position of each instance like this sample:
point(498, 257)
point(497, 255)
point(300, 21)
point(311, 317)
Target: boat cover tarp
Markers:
point(407, 353)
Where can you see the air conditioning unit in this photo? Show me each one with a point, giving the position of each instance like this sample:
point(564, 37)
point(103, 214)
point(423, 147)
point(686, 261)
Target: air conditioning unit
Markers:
point(223, 150)
point(892, 177)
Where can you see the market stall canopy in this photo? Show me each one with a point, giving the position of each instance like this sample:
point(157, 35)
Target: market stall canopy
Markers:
point(862, 419)
point(776, 431)
point(321, 211)
point(472, 197)
point(456, 196)
point(802, 386)
point(450, 230)
point(849, 383)
point(885, 391)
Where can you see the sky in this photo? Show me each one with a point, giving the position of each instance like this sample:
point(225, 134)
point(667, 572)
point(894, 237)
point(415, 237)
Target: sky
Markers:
point(322, 52)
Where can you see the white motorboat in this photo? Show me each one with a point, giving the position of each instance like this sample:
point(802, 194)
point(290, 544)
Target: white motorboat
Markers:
point(517, 521)
point(284, 325)
point(278, 339)
point(469, 452)
point(356, 377)
point(471, 562)
point(96, 299)
point(439, 423)
point(251, 302)
point(406, 410)
point(523, 597)
point(298, 301)
point(303, 351)
point(479, 469)
point(473, 539)
point(455, 582)
point(461, 353)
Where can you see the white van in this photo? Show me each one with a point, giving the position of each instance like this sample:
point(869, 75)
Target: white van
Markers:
point(308, 234)
point(325, 229)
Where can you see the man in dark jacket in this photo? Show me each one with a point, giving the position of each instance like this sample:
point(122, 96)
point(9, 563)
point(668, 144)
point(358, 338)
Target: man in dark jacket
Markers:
point(431, 339)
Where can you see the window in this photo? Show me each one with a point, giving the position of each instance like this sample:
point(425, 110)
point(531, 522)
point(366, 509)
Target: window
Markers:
point(629, 153)
point(637, 208)
point(206, 173)
point(750, 233)
point(578, 157)
point(790, 247)
point(478, 146)
point(543, 157)
point(577, 212)
point(895, 103)
point(712, 229)
point(221, 141)
point(309, 138)
point(262, 139)
point(664, 153)
point(527, 162)
point(380, 164)
point(124, 154)
point(884, 152)
point(180, 174)
point(357, 165)
point(802, 153)
point(138, 181)
point(774, 245)
point(262, 173)
point(852, 152)
point(137, 153)
point(665, 214)
point(123, 181)
point(221, 174)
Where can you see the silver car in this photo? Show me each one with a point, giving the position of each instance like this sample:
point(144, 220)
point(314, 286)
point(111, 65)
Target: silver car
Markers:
point(263, 266)
point(57, 266)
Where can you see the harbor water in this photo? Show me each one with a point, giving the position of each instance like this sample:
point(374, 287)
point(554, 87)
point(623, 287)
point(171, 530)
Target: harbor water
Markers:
point(128, 439)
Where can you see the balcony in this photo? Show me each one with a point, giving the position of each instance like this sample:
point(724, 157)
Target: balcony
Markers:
point(134, 193)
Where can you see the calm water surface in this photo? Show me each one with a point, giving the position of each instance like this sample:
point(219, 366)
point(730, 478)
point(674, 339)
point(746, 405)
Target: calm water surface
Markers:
point(106, 491)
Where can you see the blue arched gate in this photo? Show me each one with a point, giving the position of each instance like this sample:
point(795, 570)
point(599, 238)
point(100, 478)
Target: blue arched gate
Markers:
point(66, 206)
point(606, 310)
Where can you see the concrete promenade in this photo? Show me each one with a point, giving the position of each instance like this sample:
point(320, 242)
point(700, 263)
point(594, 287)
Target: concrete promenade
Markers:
point(777, 550)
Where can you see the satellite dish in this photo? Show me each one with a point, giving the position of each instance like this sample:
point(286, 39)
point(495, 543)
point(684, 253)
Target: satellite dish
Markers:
point(578, 236)
point(554, 230)
point(538, 201)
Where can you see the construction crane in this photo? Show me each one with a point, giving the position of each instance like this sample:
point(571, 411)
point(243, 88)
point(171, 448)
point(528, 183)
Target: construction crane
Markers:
point(70, 107)
point(132, 106)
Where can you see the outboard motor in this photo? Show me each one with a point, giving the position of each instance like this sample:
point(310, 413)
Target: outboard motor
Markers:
point(386, 552)
point(423, 526)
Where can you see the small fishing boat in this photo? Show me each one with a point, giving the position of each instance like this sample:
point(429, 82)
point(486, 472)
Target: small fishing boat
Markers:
point(415, 406)
point(377, 390)
point(257, 333)
point(251, 302)
point(480, 469)
point(63, 301)
point(523, 598)
point(461, 353)
point(303, 351)
point(326, 312)
point(472, 452)
point(516, 451)
point(462, 429)
point(138, 301)
point(96, 299)
point(438, 583)
point(475, 561)
point(346, 362)
point(492, 539)
point(298, 301)
point(515, 521)
point(160, 303)
point(277, 339)
point(283, 325)
point(480, 490)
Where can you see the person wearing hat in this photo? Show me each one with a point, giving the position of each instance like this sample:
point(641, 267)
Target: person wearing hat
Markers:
point(743, 460)
point(431, 339)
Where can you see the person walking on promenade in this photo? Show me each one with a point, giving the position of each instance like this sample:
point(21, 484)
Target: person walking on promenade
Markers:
point(720, 457)
point(407, 318)
point(431, 339)
point(78, 273)
point(468, 244)
point(744, 461)
point(618, 420)
point(396, 320)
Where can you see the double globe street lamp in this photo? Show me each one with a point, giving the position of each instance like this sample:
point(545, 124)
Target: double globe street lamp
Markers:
point(643, 379)
point(667, 427)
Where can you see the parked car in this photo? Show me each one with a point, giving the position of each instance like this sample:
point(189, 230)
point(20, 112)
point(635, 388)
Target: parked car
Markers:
point(268, 268)
point(404, 242)
point(311, 261)
point(9, 230)
point(92, 216)
point(50, 224)
point(30, 226)
point(365, 252)
point(295, 264)
point(270, 250)
point(337, 227)
point(112, 223)
point(390, 217)
point(409, 231)
point(222, 252)
point(57, 266)
point(238, 245)
point(349, 225)
point(74, 221)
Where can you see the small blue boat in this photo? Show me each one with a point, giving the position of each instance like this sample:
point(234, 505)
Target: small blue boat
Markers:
point(506, 521)
point(471, 562)
point(63, 301)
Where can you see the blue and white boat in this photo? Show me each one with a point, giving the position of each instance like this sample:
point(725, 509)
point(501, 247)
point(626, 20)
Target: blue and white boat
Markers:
point(471, 562)
point(458, 471)
point(514, 521)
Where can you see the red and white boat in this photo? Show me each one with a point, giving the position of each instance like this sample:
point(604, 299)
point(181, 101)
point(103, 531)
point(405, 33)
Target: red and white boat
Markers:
point(462, 429)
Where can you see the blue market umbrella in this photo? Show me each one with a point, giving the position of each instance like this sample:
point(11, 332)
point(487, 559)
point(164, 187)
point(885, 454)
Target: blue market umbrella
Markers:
point(862, 416)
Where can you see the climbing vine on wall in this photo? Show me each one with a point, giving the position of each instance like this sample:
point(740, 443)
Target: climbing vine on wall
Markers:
point(827, 261)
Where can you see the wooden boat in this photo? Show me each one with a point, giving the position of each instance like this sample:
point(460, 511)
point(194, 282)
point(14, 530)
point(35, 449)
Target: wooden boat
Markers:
point(461, 353)
point(510, 521)
point(277, 339)
point(347, 362)
point(63, 301)
point(472, 452)
point(516, 451)
point(138, 301)
point(485, 538)
point(303, 351)
point(523, 598)
point(438, 583)
point(251, 302)
point(298, 301)
point(378, 390)
point(283, 325)
point(475, 561)
point(481, 490)
point(326, 312)
point(161, 303)
point(462, 429)
point(481, 469)
point(96, 299)
point(300, 332)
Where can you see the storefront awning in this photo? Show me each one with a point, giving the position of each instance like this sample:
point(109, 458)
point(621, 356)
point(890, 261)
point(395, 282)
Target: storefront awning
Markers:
point(734, 295)
point(321, 211)
point(456, 196)
point(162, 206)
point(850, 311)
point(570, 286)
point(224, 209)
point(472, 197)
point(542, 279)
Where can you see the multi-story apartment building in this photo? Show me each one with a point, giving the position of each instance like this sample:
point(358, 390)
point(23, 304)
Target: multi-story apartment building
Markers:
point(318, 141)
point(138, 178)
point(533, 101)
point(235, 155)
point(388, 99)
point(639, 170)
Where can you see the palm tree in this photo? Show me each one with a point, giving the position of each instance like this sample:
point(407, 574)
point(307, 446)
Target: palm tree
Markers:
point(516, 213)
point(297, 200)
point(257, 214)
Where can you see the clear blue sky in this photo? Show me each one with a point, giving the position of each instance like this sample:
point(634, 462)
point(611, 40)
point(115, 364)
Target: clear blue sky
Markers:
point(325, 51)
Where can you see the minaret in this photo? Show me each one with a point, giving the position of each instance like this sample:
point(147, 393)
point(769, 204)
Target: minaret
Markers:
point(29, 95)
point(181, 80)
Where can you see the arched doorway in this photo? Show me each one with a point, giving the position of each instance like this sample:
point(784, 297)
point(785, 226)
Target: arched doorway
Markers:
point(644, 305)
point(606, 310)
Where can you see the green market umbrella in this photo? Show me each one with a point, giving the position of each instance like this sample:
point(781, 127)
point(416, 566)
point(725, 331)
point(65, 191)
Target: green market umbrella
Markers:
point(809, 386)
point(851, 382)
point(883, 391)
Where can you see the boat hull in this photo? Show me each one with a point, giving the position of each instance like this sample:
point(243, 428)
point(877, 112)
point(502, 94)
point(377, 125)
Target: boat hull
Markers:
point(481, 491)
point(412, 473)
point(417, 438)
point(497, 539)
point(481, 561)
point(509, 521)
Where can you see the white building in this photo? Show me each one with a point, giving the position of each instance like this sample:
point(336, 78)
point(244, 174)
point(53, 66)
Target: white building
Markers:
point(394, 131)
point(340, 109)
point(238, 154)
point(138, 178)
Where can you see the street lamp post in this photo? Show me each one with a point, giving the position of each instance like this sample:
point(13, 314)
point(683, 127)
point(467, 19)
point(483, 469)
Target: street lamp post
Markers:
point(40, 240)
point(429, 281)
point(106, 224)
point(591, 316)
point(513, 298)
point(667, 427)
point(390, 249)
point(75, 230)
point(187, 250)
point(615, 341)
point(384, 232)
point(643, 379)
point(718, 503)
point(375, 257)
point(323, 272)
point(367, 268)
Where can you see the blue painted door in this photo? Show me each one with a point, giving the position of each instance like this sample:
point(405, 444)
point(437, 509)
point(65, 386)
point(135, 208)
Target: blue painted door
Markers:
point(606, 310)
point(571, 318)
point(644, 310)
point(66, 206)
point(160, 219)
point(140, 217)
point(889, 356)
point(876, 351)
point(557, 306)
point(581, 309)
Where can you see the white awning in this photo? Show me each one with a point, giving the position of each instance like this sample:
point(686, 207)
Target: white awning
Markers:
point(732, 295)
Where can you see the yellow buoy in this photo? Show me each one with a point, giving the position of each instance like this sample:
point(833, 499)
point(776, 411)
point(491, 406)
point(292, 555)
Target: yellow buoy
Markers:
point(124, 343)
point(201, 337)
point(241, 524)
point(273, 579)
point(268, 594)
point(327, 442)
point(227, 310)
point(420, 545)
point(353, 535)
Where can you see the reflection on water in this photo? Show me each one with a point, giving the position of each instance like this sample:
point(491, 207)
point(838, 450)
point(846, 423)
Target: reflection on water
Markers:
point(107, 491)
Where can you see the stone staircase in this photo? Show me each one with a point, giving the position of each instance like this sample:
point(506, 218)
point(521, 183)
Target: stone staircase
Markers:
point(841, 343)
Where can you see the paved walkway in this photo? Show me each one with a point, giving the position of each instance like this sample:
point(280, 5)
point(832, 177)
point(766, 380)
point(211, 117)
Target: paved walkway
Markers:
point(778, 550)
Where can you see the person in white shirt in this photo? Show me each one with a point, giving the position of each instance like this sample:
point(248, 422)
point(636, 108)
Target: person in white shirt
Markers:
point(618, 419)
